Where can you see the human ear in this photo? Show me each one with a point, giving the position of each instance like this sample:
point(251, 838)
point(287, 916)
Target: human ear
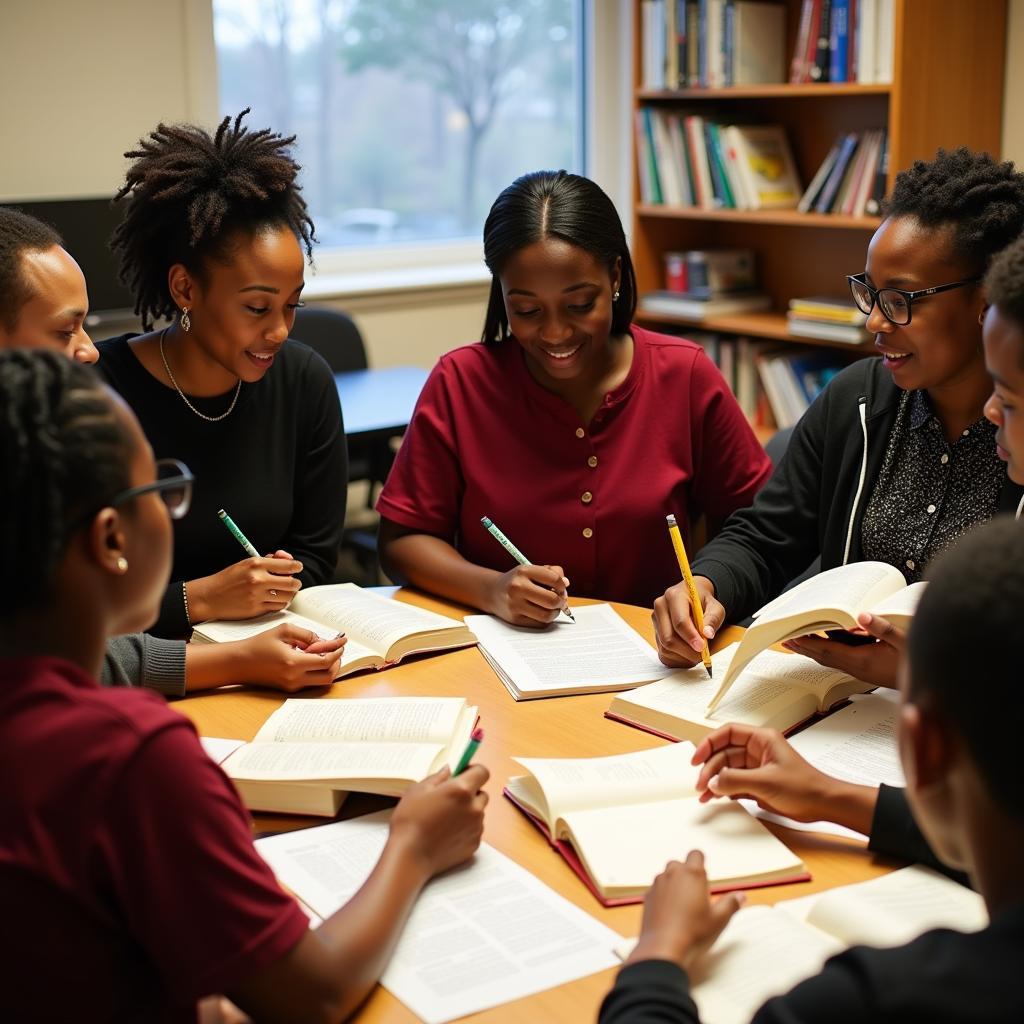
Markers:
point(107, 542)
point(926, 747)
point(182, 285)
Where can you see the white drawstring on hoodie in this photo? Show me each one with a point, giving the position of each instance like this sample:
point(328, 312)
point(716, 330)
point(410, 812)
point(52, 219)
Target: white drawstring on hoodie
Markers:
point(862, 411)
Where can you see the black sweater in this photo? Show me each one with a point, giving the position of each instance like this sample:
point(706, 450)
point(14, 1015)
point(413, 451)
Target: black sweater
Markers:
point(814, 502)
point(277, 464)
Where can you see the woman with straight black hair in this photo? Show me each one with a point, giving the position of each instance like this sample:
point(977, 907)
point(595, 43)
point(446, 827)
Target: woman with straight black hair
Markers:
point(574, 429)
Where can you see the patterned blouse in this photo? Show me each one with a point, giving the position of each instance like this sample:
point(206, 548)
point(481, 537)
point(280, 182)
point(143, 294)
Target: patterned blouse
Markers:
point(929, 491)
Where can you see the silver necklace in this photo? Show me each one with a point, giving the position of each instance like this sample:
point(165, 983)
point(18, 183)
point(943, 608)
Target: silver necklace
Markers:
point(184, 397)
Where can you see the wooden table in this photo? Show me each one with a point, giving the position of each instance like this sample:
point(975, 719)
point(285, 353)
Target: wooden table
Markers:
point(556, 727)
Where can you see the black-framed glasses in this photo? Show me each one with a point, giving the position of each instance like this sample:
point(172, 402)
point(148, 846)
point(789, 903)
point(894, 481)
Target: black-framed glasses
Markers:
point(895, 303)
point(173, 483)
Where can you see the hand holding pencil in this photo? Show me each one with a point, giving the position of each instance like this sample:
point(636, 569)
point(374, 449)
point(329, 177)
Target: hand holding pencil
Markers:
point(685, 618)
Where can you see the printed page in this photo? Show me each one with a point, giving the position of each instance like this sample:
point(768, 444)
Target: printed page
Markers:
point(853, 587)
point(858, 742)
point(375, 621)
point(762, 690)
point(898, 907)
point(578, 783)
point(223, 632)
point(628, 846)
point(481, 935)
point(363, 720)
point(599, 649)
point(306, 762)
point(760, 954)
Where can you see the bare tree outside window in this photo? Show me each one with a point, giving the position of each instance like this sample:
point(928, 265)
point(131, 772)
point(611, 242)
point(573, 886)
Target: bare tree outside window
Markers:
point(411, 115)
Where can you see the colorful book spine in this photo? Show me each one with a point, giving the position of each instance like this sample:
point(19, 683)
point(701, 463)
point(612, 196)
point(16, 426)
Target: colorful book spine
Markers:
point(839, 42)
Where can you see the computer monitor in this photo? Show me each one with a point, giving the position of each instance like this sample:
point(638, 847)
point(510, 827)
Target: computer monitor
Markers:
point(86, 226)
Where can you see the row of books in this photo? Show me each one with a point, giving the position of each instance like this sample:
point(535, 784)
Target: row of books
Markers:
point(774, 385)
point(844, 41)
point(712, 43)
point(687, 160)
point(828, 319)
point(851, 178)
point(722, 43)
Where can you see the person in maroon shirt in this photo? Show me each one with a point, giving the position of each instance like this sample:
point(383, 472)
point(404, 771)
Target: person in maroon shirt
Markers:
point(572, 428)
point(130, 886)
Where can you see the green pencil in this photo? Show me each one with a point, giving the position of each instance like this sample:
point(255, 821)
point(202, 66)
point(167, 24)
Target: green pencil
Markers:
point(474, 742)
point(493, 530)
point(237, 534)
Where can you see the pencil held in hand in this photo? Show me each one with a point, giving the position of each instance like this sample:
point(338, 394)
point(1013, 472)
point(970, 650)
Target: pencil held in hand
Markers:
point(493, 530)
point(691, 587)
point(474, 742)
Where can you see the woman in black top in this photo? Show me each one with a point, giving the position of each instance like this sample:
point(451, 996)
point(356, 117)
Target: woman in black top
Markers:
point(214, 240)
point(895, 459)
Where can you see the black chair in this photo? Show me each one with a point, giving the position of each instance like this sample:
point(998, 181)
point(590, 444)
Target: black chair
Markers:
point(335, 336)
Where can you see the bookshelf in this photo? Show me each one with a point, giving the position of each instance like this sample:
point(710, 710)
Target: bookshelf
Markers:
point(946, 91)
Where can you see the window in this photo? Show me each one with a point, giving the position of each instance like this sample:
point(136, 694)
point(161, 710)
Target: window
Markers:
point(411, 115)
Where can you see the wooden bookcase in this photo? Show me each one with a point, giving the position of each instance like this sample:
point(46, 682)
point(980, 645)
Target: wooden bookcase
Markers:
point(947, 90)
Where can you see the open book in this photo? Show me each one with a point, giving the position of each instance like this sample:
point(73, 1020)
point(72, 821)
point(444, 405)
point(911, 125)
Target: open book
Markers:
point(596, 653)
point(619, 820)
point(765, 951)
point(309, 753)
point(776, 690)
point(830, 600)
point(380, 630)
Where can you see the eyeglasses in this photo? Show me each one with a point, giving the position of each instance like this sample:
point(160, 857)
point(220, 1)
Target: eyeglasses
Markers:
point(895, 303)
point(173, 483)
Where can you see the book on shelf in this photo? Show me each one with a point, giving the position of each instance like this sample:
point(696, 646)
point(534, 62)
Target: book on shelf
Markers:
point(830, 600)
point(848, 177)
point(765, 162)
point(311, 752)
point(758, 52)
point(844, 41)
point(618, 820)
point(793, 379)
point(766, 951)
point(828, 309)
point(653, 43)
point(597, 653)
point(823, 331)
point(710, 273)
point(381, 631)
point(775, 690)
point(676, 304)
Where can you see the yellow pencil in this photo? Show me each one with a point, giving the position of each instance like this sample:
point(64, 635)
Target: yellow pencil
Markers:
point(684, 568)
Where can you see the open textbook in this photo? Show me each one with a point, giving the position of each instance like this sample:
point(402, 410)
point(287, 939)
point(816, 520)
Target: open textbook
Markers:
point(597, 653)
point(380, 630)
point(482, 934)
point(775, 689)
point(765, 951)
point(309, 753)
point(830, 600)
point(618, 821)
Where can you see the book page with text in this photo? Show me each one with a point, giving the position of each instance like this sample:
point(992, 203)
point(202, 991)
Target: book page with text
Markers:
point(599, 649)
point(896, 908)
point(375, 621)
point(363, 720)
point(311, 762)
point(760, 954)
point(577, 783)
point(856, 743)
point(483, 934)
point(224, 631)
point(629, 845)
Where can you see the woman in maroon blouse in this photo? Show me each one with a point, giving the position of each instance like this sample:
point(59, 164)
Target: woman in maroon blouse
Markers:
point(572, 428)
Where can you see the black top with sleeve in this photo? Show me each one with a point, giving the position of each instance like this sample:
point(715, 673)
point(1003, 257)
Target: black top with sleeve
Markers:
point(277, 464)
point(815, 500)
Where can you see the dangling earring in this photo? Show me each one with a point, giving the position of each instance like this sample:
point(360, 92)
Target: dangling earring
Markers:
point(186, 323)
point(615, 295)
point(122, 564)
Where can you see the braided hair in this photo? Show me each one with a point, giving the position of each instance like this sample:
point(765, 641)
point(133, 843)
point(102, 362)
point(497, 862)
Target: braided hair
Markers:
point(555, 204)
point(19, 234)
point(190, 193)
point(63, 451)
point(981, 199)
point(1004, 283)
